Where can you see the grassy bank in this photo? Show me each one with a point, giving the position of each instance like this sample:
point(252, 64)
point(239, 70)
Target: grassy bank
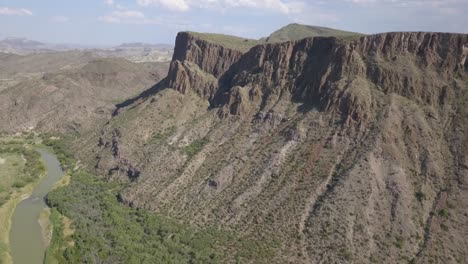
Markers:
point(21, 170)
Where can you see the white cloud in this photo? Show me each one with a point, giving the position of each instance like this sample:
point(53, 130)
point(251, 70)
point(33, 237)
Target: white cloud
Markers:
point(439, 7)
point(174, 5)
point(405, 3)
point(110, 19)
point(128, 14)
point(132, 17)
point(15, 11)
point(281, 6)
point(124, 17)
point(109, 2)
point(60, 19)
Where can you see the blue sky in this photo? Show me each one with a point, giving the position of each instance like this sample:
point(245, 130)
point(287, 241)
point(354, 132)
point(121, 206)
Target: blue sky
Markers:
point(109, 22)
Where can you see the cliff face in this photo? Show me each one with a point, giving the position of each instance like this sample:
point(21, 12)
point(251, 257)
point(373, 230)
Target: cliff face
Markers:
point(197, 64)
point(211, 58)
point(413, 65)
point(342, 151)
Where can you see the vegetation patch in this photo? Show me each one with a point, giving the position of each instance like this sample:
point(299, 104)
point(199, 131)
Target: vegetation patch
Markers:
point(105, 231)
point(56, 249)
point(399, 242)
point(420, 196)
point(232, 42)
point(64, 181)
point(90, 225)
point(61, 150)
point(195, 147)
point(161, 137)
point(293, 32)
point(444, 213)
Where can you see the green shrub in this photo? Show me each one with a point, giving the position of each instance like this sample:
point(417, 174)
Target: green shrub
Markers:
point(19, 184)
point(444, 213)
point(399, 242)
point(61, 149)
point(195, 147)
point(160, 137)
point(420, 196)
point(346, 254)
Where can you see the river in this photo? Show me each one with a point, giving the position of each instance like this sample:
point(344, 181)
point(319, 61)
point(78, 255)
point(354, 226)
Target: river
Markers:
point(26, 239)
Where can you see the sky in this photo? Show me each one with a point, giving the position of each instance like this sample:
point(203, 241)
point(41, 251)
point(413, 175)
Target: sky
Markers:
point(111, 22)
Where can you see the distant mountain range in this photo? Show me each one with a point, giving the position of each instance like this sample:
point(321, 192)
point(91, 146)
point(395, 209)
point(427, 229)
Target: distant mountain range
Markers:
point(24, 46)
point(136, 52)
point(149, 52)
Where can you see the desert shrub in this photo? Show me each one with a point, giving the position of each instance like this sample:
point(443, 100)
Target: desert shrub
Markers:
point(443, 213)
point(195, 147)
point(399, 242)
point(420, 196)
point(160, 137)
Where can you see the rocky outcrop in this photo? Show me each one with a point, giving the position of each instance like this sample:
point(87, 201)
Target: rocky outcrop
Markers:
point(119, 165)
point(205, 59)
point(211, 58)
point(309, 70)
point(414, 65)
point(187, 76)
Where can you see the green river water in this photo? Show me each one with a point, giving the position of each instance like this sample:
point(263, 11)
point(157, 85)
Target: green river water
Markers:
point(26, 240)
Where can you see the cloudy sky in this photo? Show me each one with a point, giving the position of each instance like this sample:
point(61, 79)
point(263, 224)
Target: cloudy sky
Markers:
point(108, 22)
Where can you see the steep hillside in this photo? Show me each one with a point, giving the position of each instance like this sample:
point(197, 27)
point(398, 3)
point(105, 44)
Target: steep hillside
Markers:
point(343, 152)
point(293, 32)
point(16, 68)
point(76, 99)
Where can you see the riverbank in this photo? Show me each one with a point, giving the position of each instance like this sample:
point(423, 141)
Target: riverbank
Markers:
point(29, 219)
point(6, 214)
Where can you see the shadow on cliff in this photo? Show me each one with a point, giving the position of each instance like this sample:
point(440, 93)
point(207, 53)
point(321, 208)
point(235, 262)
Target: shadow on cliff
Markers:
point(142, 96)
point(309, 81)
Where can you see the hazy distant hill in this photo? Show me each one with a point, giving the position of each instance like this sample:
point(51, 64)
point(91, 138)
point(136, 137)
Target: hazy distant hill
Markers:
point(21, 43)
point(134, 45)
point(136, 52)
point(18, 68)
point(25, 46)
